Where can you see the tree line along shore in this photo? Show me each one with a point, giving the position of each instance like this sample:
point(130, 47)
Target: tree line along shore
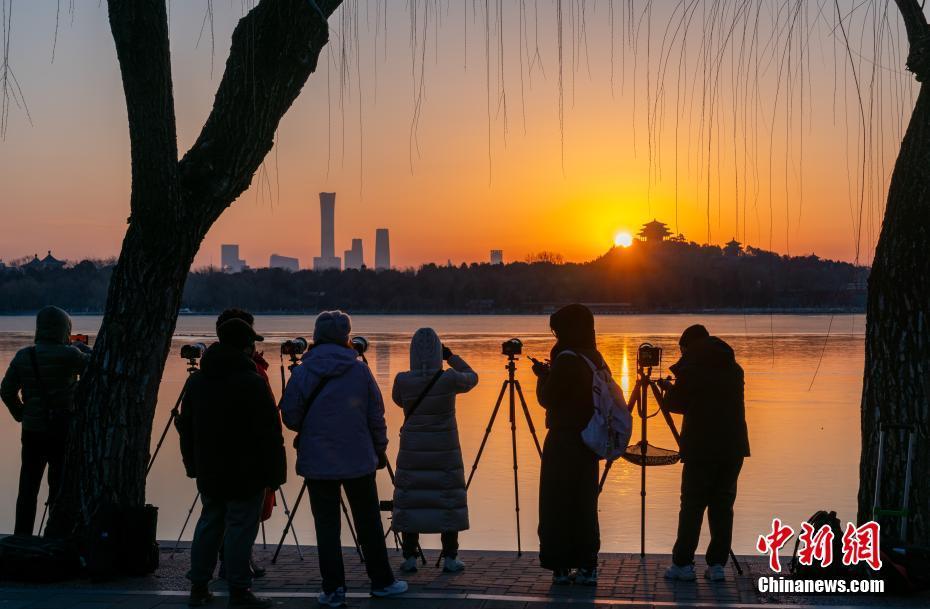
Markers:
point(659, 277)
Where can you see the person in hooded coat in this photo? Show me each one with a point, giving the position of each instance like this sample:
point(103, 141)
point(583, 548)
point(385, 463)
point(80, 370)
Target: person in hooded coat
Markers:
point(38, 388)
point(334, 404)
point(569, 535)
point(708, 391)
point(429, 488)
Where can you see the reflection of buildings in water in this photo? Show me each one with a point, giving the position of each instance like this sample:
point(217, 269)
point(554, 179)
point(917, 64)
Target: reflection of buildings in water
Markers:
point(382, 360)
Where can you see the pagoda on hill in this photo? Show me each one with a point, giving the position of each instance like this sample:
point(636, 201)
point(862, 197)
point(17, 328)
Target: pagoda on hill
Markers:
point(49, 263)
point(733, 248)
point(654, 232)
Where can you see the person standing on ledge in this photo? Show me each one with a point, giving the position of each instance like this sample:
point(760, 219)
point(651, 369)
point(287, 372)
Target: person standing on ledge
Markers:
point(231, 442)
point(429, 489)
point(38, 388)
point(708, 391)
point(569, 535)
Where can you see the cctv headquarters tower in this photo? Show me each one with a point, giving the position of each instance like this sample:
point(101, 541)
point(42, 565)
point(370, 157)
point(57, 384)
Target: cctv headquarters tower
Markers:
point(327, 259)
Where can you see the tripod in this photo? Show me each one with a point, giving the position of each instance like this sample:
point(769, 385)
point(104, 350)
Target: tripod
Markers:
point(643, 453)
point(191, 369)
point(511, 386)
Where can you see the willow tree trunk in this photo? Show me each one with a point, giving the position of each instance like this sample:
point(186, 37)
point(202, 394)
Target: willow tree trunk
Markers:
point(173, 204)
point(897, 348)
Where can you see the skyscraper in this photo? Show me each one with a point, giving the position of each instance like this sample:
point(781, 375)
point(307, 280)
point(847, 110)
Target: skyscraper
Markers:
point(229, 258)
point(382, 249)
point(284, 262)
point(354, 258)
point(497, 256)
point(327, 259)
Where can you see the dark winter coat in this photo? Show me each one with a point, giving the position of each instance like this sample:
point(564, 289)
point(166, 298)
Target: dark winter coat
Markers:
point(708, 391)
point(569, 535)
point(343, 432)
point(59, 365)
point(429, 488)
point(231, 439)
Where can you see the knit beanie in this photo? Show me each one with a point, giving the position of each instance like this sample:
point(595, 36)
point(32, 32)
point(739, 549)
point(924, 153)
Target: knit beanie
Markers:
point(332, 327)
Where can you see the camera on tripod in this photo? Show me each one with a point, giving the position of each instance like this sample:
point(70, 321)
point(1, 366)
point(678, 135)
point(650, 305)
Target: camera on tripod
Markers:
point(360, 344)
point(193, 351)
point(294, 346)
point(649, 356)
point(512, 347)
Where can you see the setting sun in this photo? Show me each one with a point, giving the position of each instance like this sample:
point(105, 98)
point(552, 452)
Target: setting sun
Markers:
point(623, 239)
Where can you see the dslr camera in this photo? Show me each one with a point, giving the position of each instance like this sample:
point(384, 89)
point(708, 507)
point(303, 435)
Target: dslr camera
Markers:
point(512, 347)
point(294, 346)
point(649, 356)
point(360, 344)
point(193, 351)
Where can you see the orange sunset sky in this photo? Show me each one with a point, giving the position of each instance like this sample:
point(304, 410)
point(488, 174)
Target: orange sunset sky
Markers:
point(774, 161)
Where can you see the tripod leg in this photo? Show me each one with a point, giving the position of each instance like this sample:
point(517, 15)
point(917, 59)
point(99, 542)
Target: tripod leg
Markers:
point(529, 419)
point(390, 471)
point(184, 526)
point(264, 540)
point(665, 413)
point(736, 565)
point(600, 485)
point(290, 521)
point(487, 432)
point(164, 433)
point(345, 511)
point(516, 485)
point(287, 512)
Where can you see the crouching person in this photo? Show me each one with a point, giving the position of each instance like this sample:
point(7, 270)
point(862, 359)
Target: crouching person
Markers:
point(231, 443)
point(429, 492)
point(333, 402)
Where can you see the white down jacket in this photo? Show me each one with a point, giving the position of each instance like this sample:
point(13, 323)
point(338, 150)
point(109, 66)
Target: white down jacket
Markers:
point(429, 490)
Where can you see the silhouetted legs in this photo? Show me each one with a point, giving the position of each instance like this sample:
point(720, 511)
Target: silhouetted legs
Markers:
point(234, 524)
point(711, 486)
point(450, 544)
point(39, 449)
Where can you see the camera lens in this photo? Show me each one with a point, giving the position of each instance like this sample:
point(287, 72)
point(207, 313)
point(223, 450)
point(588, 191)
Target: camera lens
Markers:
point(193, 351)
point(360, 344)
point(295, 346)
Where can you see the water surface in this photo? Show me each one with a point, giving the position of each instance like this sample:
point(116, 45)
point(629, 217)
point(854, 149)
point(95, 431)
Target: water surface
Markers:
point(804, 430)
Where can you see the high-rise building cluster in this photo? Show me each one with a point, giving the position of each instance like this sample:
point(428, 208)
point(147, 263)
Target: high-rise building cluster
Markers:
point(353, 258)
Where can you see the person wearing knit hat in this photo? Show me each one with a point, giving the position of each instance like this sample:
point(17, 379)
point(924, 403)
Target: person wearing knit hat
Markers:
point(708, 391)
point(38, 388)
point(334, 404)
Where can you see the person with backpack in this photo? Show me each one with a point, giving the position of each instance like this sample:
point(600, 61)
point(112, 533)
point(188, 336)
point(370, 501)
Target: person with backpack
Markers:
point(708, 391)
point(569, 534)
point(429, 487)
point(38, 389)
point(333, 402)
point(231, 443)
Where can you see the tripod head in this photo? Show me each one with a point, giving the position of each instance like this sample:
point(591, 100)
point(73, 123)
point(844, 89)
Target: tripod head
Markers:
point(648, 356)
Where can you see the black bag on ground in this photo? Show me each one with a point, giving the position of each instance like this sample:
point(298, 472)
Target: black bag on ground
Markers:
point(122, 542)
point(26, 558)
point(836, 569)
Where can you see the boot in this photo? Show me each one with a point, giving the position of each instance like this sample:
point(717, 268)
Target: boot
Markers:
point(242, 598)
point(200, 595)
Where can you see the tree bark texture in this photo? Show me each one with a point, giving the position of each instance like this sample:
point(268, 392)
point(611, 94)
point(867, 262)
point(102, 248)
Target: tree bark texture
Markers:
point(897, 349)
point(173, 204)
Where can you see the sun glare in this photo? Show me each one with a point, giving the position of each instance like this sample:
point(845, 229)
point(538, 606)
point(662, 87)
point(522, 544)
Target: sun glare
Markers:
point(623, 239)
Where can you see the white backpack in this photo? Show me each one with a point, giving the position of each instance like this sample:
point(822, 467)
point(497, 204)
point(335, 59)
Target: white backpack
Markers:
point(608, 432)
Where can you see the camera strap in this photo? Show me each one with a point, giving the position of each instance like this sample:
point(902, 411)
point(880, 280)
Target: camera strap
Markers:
point(423, 395)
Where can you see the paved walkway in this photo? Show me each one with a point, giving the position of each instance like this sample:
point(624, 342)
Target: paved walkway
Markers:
point(492, 580)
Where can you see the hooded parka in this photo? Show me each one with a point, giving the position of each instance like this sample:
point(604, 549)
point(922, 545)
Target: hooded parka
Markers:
point(429, 490)
point(59, 365)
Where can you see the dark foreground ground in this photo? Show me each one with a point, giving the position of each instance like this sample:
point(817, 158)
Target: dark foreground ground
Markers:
point(492, 580)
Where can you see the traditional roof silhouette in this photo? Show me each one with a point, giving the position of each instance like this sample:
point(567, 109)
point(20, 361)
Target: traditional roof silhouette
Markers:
point(733, 247)
point(45, 264)
point(654, 231)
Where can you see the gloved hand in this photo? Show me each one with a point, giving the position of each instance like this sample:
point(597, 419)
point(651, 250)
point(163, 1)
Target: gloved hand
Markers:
point(446, 353)
point(82, 347)
point(382, 460)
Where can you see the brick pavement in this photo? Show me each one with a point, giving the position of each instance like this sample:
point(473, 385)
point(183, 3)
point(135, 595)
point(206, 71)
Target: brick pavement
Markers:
point(492, 580)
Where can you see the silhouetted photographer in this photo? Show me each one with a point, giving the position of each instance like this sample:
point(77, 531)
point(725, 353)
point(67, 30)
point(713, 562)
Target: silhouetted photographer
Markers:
point(708, 391)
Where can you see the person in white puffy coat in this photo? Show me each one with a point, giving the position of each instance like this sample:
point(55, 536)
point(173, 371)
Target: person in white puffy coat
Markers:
point(429, 490)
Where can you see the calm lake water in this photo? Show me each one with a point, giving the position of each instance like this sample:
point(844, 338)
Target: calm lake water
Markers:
point(804, 431)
